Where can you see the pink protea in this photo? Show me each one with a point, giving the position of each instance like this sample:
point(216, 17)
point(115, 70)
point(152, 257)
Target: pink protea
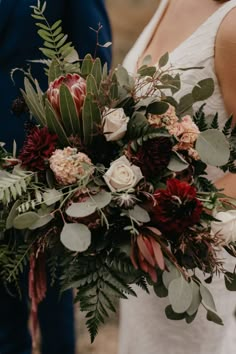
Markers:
point(77, 86)
point(69, 166)
point(146, 254)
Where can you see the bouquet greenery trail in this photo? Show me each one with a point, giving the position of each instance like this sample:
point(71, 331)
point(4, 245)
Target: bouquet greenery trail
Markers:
point(111, 187)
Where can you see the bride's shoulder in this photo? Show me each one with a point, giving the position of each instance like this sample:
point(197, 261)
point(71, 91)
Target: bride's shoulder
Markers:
point(226, 34)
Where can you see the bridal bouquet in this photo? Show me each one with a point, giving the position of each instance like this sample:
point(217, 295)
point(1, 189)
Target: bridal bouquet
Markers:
point(111, 186)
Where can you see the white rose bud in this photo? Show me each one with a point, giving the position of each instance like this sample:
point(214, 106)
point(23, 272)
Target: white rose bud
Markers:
point(226, 226)
point(115, 124)
point(122, 176)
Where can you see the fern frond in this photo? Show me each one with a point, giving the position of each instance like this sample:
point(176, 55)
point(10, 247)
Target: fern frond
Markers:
point(228, 126)
point(13, 185)
point(204, 185)
point(55, 45)
point(215, 122)
point(98, 282)
point(199, 118)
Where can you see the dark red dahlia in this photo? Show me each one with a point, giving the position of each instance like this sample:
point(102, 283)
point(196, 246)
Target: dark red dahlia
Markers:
point(153, 156)
point(38, 147)
point(177, 208)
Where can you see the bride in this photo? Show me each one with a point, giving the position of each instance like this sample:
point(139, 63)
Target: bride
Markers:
point(195, 33)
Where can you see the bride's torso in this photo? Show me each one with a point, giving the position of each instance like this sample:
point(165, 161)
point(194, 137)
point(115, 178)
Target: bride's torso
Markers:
point(144, 326)
point(196, 50)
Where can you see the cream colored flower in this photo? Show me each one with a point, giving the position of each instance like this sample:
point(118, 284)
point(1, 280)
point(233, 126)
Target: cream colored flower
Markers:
point(69, 166)
point(226, 226)
point(122, 175)
point(167, 119)
point(115, 124)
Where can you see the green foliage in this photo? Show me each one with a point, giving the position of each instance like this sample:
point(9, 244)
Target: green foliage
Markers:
point(14, 256)
point(228, 126)
point(99, 279)
point(13, 185)
point(215, 123)
point(55, 45)
point(33, 97)
point(204, 185)
point(139, 130)
point(199, 119)
point(200, 92)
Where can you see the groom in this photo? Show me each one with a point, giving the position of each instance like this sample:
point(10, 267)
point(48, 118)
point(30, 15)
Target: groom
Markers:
point(19, 42)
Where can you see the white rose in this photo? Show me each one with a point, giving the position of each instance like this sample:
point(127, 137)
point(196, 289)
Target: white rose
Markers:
point(122, 175)
point(115, 124)
point(226, 226)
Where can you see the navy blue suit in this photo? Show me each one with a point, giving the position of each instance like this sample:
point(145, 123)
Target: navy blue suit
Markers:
point(18, 42)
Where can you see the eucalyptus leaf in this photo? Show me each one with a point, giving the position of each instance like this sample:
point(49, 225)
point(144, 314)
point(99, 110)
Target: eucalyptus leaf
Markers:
point(147, 71)
point(196, 299)
point(172, 315)
point(184, 105)
point(122, 76)
point(177, 162)
point(167, 277)
point(42, 221)
point(12, 215)
point(230, 281)
point(163, 60)
point(180, 294)
point(207, 298)
point(214, 317)
point(139, 214)
point(24, 221)
point(147, 60)
point(213, 147)
point(158, 107)
point(51, 196)
point(203, 90)
point(83, 209)
point(76, 237)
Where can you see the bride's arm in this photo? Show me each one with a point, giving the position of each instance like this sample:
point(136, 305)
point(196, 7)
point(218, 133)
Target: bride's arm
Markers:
point(225, 64)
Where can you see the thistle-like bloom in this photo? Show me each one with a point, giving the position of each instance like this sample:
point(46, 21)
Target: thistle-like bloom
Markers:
point(69, 166)
point(77, 86)
point(38, 148)
point(176, 209)
point(146, 254)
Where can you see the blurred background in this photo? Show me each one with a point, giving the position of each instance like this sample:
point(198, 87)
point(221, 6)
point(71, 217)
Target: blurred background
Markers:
point(128, 18)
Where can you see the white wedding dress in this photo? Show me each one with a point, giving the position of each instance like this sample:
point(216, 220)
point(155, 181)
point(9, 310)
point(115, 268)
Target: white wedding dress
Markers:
point(144, 328)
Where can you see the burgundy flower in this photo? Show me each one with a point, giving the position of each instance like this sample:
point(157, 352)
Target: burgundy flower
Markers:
point(177, 208)
point(77, 87)
point(146, 254)
point(153, 156)
point(38, 147)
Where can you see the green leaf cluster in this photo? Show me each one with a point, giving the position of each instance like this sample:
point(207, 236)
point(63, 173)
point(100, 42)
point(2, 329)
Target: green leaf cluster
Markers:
point(99, 279)
point(13, 185)
point(185, 296)
point(55, 45)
